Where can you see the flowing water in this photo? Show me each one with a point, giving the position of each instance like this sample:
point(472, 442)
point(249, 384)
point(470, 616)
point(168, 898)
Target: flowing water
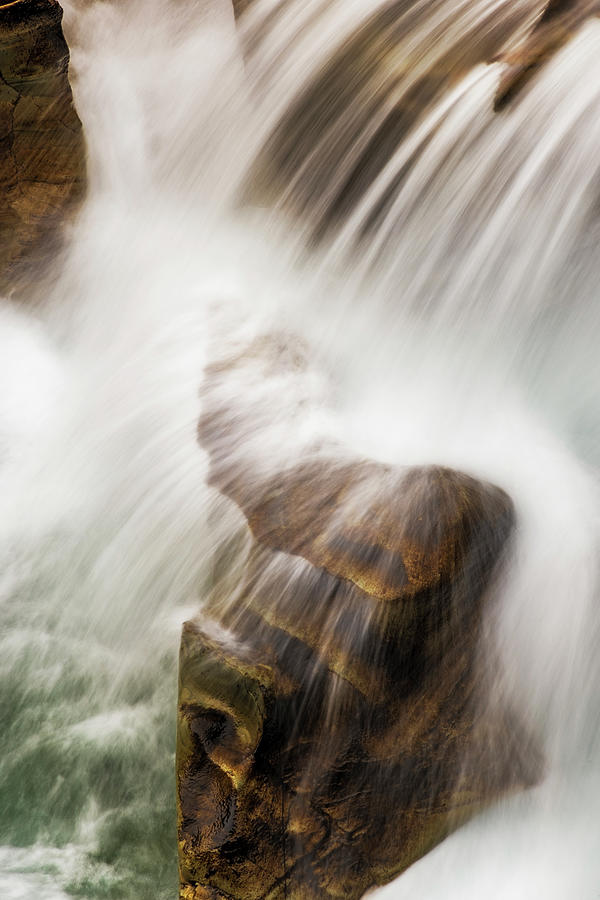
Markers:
point(447, 287)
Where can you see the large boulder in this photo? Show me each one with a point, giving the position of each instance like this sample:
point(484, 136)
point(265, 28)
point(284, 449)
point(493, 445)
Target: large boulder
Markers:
point(334, 719)
point(42, 149)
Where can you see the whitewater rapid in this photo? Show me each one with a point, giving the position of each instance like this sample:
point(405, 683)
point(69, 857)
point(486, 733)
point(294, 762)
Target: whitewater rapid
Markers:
point(465, 334)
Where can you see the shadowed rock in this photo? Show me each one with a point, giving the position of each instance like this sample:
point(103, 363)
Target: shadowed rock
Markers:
point(42, 151)
point(339, 727)
point(559, 22)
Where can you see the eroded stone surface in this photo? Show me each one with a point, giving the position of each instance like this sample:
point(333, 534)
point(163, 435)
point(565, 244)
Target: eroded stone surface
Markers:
point(340, 727)
point(42, 152)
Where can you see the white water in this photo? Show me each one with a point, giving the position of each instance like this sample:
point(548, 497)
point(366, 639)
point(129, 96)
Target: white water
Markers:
point(470, 341)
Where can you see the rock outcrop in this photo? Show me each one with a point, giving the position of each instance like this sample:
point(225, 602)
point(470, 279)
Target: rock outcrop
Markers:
point(42, 150)
point(333, 720)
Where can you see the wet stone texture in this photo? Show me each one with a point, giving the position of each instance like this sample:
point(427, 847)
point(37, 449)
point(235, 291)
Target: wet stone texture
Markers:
point(42, 150)
point(333, 724)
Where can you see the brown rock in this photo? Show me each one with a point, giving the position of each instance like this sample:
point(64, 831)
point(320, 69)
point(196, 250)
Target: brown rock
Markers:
point(339, 727)
point(344, 125)
point(558, 23)
point(42, 150)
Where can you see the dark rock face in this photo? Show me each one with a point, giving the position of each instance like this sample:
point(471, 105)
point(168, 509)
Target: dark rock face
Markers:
point(42, 150)
point(340, 728)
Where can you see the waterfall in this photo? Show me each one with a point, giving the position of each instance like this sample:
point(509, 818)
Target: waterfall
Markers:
point(313, 172)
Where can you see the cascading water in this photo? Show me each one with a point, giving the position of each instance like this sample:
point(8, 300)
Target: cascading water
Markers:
point(450, 308)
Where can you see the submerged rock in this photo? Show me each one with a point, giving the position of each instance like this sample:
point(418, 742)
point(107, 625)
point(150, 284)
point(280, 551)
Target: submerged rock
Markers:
point(348, 116)
point(387, 85)
point(559, 22)
point(42, 149)
point(333, 722)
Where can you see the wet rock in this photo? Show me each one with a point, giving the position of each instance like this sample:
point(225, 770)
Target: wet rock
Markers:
point(346, 119)
point(376, 90)
point(334, 722)
point(559, 22)
point(42, 150)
